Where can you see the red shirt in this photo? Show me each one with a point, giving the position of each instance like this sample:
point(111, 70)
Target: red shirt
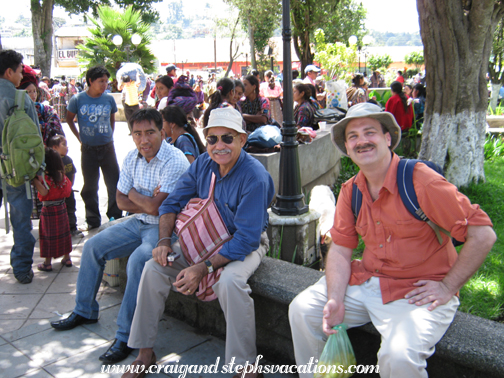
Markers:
point(395, 106)
point(400, 79)
point(399, 248)
point(57, 191)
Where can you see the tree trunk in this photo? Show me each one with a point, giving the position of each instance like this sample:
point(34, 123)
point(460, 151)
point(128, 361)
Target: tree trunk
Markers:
point(253, 63)
point(457, 38)
point(495, 95)
point(231, 55)
point(303, 51)
point(42, 27)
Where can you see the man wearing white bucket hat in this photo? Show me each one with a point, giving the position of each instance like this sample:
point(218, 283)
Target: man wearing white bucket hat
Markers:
point(243, 192)
point(407, 281)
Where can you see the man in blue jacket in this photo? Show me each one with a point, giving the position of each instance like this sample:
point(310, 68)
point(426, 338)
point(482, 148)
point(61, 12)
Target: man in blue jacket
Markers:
point(243, 192)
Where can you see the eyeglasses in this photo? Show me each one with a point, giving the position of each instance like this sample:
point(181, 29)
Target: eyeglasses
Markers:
point(226, 139)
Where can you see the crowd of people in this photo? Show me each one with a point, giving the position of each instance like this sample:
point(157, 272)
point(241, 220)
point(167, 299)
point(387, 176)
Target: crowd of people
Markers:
point(406, 283)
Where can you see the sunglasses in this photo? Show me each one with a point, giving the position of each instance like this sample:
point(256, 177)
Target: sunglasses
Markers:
point(226, 139)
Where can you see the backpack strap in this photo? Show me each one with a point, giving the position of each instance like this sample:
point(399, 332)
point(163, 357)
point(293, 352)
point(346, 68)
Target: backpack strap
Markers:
point(19, 99)
point(408, 195)
point(356, 200)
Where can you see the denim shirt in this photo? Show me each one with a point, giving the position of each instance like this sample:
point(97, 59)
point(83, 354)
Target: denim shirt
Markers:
point(242, 197)
point(7, 96)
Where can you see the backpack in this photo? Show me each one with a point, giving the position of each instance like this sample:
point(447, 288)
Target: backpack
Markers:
point(408, 194)
point(23, 151)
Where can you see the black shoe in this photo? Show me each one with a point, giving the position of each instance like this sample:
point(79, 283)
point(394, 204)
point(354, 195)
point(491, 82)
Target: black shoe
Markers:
point(118, 351)
point(26, 279)
point(71, 322)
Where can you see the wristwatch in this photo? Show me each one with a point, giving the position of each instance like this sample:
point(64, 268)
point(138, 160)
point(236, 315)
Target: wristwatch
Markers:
point(209, 266)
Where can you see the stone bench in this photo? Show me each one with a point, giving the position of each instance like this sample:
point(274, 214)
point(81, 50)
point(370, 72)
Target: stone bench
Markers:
point(472, 347)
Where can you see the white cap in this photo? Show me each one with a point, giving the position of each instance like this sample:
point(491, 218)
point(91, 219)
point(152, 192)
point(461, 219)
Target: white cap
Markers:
point(310, 68)
point(225, 117)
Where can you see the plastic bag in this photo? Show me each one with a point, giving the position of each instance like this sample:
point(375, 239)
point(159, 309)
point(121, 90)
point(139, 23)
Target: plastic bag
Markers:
point(337, 356)
point(336, 94)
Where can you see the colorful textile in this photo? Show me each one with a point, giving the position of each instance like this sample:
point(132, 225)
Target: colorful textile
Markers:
point(187, 102)
point(50, 123)
point(260, 105)
point(304, 114)
point(54, 232)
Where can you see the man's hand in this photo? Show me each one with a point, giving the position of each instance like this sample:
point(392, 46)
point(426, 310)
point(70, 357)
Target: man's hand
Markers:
point(159, 254)
point(435, 292)
point(189, 278)
point(334, 314)
point(157, 189)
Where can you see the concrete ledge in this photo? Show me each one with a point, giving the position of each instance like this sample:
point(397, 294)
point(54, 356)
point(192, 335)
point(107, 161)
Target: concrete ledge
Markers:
point(472, 347)
point(319, 162)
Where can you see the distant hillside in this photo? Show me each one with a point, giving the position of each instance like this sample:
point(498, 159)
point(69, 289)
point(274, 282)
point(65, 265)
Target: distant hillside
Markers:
point(396, 39)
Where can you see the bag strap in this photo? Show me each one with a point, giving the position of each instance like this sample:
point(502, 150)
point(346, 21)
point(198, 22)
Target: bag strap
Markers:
point(408, 195)
point(356, 202)
point(212, 187)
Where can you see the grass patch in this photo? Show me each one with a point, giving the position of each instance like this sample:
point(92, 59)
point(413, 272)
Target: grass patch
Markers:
point(483, 295)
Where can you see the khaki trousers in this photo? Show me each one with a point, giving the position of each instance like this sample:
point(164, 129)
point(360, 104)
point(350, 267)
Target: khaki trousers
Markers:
point(232, 291)
point(408, 332)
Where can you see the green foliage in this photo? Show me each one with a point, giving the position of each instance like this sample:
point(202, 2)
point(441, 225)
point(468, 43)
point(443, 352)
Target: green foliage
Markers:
point(336, 57)
point(412, 72)
point(416, 58)
point(483, 295)
point(381, 98)
point(25, 21)
point(306, 17)
point(148, 14)
point(347, 19)
point(99, 48)
point(494, 147)
point(496, 64)
point(58, 22)
point(348, 170)
point(173, 32)
point(262, 17)
point(379, 61)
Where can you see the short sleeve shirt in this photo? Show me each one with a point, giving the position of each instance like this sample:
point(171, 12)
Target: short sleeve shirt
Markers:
point(93, 115)
point(164, 169)
point(187, 144)
point(399, 248)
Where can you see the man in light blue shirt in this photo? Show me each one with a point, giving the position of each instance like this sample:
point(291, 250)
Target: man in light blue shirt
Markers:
point(148, 174)
point(243, 192)
point(11, 73)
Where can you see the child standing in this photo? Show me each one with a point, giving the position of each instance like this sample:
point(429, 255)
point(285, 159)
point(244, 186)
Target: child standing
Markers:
point(54, 231)
point(59, 144)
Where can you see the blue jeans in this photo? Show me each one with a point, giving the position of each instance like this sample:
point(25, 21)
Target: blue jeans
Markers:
point(131, 238)
point(20, 209)
point(92, 159)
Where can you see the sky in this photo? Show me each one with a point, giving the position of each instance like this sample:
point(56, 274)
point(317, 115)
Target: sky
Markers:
point(383, 15)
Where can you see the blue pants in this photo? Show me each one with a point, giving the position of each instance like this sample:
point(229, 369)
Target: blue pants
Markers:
point(20, 209)
point(131, 238)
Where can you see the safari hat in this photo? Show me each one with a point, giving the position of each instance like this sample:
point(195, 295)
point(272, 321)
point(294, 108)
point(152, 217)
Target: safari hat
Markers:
point(366, 110)
point(225, 117)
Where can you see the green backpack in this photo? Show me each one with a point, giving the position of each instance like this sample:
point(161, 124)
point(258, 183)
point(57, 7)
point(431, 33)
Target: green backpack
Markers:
point(23, 151)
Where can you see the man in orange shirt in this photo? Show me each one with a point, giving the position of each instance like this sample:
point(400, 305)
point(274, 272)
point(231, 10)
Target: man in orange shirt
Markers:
point(407, 281)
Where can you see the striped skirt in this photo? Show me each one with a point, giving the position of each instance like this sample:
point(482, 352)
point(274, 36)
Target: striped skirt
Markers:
point(54, 231)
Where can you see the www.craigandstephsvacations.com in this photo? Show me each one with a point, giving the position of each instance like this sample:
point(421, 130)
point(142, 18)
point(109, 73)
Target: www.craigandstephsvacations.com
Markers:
point(231, 368)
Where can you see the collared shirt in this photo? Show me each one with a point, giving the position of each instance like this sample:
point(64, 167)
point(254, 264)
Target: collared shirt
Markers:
point(164, 169)
point(242, 197)
point(399, 248)
point(7, 98)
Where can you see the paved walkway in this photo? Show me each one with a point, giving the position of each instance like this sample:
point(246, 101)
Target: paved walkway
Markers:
point(29, 347)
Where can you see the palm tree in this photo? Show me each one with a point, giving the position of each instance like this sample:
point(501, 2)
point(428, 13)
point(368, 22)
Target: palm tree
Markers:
point(100, 50)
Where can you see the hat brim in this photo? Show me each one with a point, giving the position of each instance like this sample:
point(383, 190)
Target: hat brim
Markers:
point(385, 118)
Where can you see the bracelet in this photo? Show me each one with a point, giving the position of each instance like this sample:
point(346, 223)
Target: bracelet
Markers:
point(160, 240)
